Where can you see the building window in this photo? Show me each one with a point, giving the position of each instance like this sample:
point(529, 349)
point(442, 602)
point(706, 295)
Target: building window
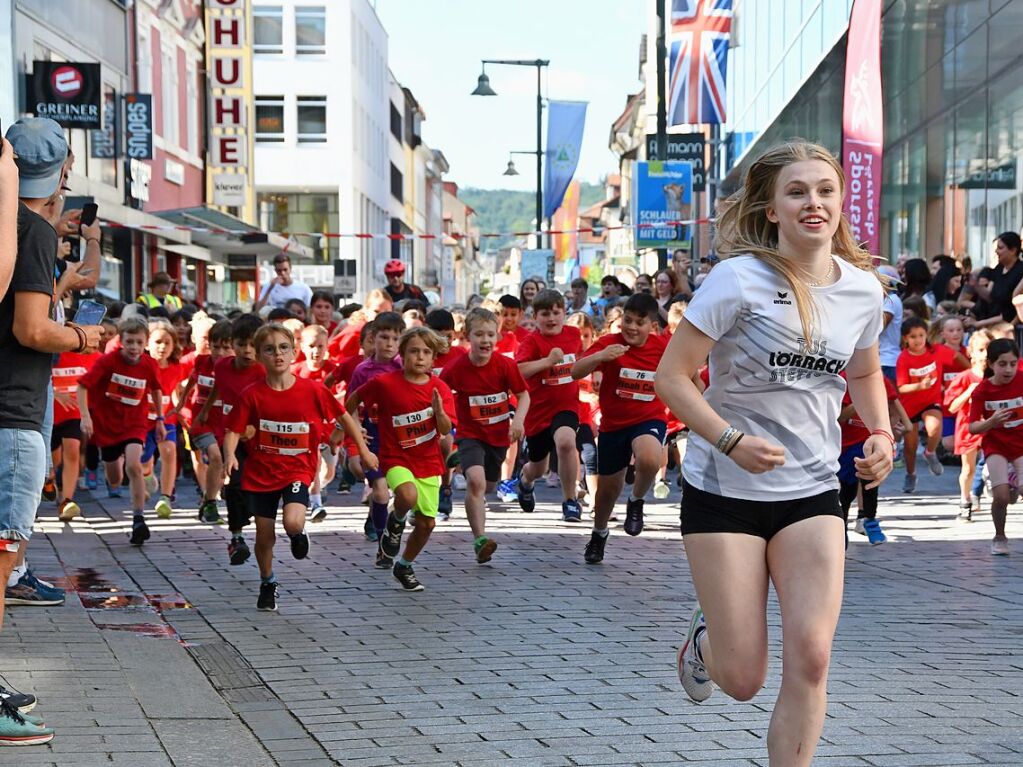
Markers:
point(395, 122)
point(268, 28)
point(270, 118)
point(312, 118)
point(171, 119)
point(192, 107)
point(397, 183)
point(310, 29)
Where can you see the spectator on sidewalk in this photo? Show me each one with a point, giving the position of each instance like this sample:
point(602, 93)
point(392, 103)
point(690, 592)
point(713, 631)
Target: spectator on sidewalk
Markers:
point(160, 294)
point(283, 287)
point(397, 288)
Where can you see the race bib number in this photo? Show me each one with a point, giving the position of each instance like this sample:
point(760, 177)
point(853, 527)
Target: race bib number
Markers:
point(1006, 404)
point(203, 387)
point(949, 378)
point(166, 406)
point(66, 379)
point(283, 437)
point(923, 372)
point(126, 390)
point(490, 408)
point(636, 385)
point(414, 428)
point(560, 374)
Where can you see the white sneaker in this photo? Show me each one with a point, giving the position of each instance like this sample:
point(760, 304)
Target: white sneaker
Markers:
point(934, 464)
point(661, 490)
point(552, 480)
point(691, 671)
point(858, 527)
point(458, 482)
point(151, 484)
point(1000, 547)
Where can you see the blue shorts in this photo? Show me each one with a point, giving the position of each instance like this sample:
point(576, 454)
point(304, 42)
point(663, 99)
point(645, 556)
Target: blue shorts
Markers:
point(846, 467)
point(614, 448)
point(948, 426)
point(23, 456)
point(149, 450)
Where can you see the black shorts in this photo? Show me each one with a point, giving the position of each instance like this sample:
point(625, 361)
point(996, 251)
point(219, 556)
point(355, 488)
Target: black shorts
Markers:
point(71, 429)
point(472, 452)
point(919, 417)
point(540, 445)
point(111, 453)
point(266, 504)
point(614, 448)
point(704, 512)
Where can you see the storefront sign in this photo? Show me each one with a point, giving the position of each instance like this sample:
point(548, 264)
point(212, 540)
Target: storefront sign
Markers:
point(139, 176)
point(138, 126)
point(229, 189)
point(227, 52)
point(1002, 177)
point(103, 142)
point(863, 125)
point(683, 147)
point(662, 194)
point(67, 92)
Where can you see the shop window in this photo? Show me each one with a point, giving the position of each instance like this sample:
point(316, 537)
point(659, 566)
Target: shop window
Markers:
point(270, 119)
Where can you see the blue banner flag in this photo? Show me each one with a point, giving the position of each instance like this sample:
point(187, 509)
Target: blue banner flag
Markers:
point(565, 121)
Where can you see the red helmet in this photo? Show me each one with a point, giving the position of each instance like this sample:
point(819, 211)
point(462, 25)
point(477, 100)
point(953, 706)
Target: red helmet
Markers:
point(394, 266)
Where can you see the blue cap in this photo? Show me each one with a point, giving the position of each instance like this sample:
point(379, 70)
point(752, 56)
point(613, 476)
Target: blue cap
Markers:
point(40, 150)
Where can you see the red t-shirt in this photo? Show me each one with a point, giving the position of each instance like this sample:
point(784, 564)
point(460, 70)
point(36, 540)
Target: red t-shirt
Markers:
point(453, 353)
point(290, 427)
point(408, 429)
point(1005, 440)
point(854, 431)
point(119, 397)
point(69, 369)
point(964, 441)
point(231, 382)
point(343, 375)
point(627, 393)
point(913, 368)
point(346, 343)
point(483, 397)
point(170, 377)
point(303, 371)
point(589, 403)
point(551, 391)
point(952, 369)
point(201, 378)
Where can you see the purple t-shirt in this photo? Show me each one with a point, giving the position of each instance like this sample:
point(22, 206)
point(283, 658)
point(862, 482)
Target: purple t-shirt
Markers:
point(370, 368)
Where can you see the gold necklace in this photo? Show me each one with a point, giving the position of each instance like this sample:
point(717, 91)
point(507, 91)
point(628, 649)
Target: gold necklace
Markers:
point(825, 278)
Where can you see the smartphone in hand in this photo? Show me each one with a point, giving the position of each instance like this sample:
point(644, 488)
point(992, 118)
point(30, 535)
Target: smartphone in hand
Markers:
point(90, 312)
point(89, 211)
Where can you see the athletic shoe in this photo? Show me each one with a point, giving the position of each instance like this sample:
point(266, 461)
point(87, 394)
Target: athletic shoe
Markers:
point(571, 511)
point(406, 576)
point(49, 490)
point(210, 514)
point(68, 510)
point(858, 526)
point(267, 601)
point(22, 701)
point(1000, 547)
point(40, 582)
point(369, 530)
point(113, 492)
point(383, 562)
point(594, 553)
point(507, 490)
point(526, 498)
point(238, 550)
point(164, 508)
point(872, 529)
point(151, 484)
point(91, 480)
point(691, 671)
point(365, 495)
point(139, 534)
point(552, 480)
point(15, 730)
point(458, 481)
point(300, 546)
point(31, 592)
point(444, 504)
point(634, 516)
point(319, 513)
point(965, 512)
point(909, 486)
point(933, 463)
point(661, 490)
point(390, 541)
point(484, 550)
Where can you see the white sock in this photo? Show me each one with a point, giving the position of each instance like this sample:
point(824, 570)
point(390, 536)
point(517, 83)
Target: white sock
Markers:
point(16, 574)
point(316, 499)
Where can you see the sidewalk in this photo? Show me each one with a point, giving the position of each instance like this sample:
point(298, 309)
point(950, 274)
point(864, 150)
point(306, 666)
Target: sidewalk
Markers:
point(161, 658)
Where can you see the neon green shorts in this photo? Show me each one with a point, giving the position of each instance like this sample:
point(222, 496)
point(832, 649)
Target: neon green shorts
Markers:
point(427, 489)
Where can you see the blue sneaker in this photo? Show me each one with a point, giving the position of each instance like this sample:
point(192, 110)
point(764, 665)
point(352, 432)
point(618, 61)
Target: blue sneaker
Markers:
point(29, 591)
point(507, 490)
point(113, 492)
point(571, 511)
point(872, 529)
point(91, 480)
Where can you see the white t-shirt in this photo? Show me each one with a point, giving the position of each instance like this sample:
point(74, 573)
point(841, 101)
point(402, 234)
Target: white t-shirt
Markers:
point(767, 381)
point(281, 294)
point(891, 336)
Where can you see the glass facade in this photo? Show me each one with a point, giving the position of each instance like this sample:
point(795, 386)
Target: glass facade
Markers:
point(310, 212)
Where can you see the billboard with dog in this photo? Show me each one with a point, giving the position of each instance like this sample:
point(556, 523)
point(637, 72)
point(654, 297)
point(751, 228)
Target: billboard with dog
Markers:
point(662, 196)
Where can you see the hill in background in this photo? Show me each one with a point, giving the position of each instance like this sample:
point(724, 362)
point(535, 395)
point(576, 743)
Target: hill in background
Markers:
point(505, 210)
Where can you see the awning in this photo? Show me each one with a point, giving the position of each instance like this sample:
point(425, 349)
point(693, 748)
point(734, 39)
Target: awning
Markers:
point(189, 251)
point(227, 234)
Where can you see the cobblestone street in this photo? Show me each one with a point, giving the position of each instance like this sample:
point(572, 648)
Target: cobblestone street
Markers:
point(161, 657)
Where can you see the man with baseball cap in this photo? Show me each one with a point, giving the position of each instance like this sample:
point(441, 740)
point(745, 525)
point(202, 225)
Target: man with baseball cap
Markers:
point(29, 338)
point(397, 288)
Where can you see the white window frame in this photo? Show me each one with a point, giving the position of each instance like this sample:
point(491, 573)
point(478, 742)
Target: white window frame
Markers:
point(274, 101)
point(170, 128)
point(310, 101)
point(192, 106)
point(311, 11)
point(268, 11)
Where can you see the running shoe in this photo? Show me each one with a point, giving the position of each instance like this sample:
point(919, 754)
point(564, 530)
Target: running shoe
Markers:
point(113, 492)
point(571, 511)
point(22, 701)
point(661, 490)
point(552, 480)
point(383, 562)
point(634, 516)
point(319, 513)
point(151, 484)
point(68, 510)
point(210, 514)
point(858, 526)
point(91, 480)
point(300, 546)
point(872, 529)
point(909, 485)
point(406, 576)
point(16, 730)
point(369, 530)
point(485, 549)
point(594, 553)
point(526, 498)
point(691, 671)
point(1000, 547)
point(965, 512)
point(49, 490)
point(444, 504)
point(29, 591)
point(507, 490)
point(933, 463)
point(390, 541)
point(139, 534)
point(458, 482)
point(164, 508)
point(238, 550)
point(267, 601)
point(365, 495)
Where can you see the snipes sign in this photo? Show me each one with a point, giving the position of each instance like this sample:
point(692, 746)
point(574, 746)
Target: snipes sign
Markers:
point(69, 93)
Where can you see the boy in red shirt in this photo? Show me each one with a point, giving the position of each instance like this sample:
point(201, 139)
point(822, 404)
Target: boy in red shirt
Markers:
point(633, 420)
point(442, 322)
point(66, 439)
point(412, 409)
point(317, 368)
point(511, 333)
point(545, 359)
point(918, 374)
point(484, 384)
point(231, 377)
point(957, 400)
point(285, 417)
point(112, 400)
point(163, 341)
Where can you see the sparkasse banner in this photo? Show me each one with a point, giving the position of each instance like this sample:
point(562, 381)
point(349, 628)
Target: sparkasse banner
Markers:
point(68, 92)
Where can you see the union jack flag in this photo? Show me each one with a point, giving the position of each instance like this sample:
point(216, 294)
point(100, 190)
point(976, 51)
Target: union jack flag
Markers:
point(698, 60)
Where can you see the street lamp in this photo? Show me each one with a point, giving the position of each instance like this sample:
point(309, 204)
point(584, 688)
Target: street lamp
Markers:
point(511, 170)
point(483, 89)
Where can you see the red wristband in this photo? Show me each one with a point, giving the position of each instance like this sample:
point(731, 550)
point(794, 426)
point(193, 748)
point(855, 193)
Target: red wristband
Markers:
point(883, 433)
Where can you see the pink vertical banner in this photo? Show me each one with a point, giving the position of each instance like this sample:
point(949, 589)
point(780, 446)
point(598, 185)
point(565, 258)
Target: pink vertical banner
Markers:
point(863, 124)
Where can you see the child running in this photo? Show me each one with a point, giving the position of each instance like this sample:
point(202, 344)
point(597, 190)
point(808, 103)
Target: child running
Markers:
point(996, 413)
point(66, 439)
point(950, 331)
point(484, 383)
point(162, 345)
point(284, 417)
point(957, 400)
point(412, 409)
point(918, 374)
point(633, 420)
point(316, 367)
point(442, 322)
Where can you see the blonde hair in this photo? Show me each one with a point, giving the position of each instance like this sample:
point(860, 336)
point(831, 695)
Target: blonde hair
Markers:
point(743, 226)
point(268, 331)
point(437, 343)
point(477, 316)
point(313, 332)
point(581, 320)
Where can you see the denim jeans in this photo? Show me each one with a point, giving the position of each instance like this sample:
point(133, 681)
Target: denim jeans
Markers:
point(23, 456)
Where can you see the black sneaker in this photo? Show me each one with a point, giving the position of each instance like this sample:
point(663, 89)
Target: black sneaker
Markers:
point(319, 513)
point(407, 578)
point(595, 548)
point(390, 541)
point(267, 601)
point(300, 546)
point(571, 511)
point(634, 516)
point(444, 504)
point(209, 513)
point(238, 551)
point(139, 534)
point(383, 562)
point(527, 498)
point(22, 701)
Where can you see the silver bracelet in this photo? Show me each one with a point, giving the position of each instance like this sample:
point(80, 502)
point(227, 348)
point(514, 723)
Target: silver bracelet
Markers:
point(726, 436)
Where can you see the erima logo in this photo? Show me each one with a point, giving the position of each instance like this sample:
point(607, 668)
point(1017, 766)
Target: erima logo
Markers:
point(782, 299)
